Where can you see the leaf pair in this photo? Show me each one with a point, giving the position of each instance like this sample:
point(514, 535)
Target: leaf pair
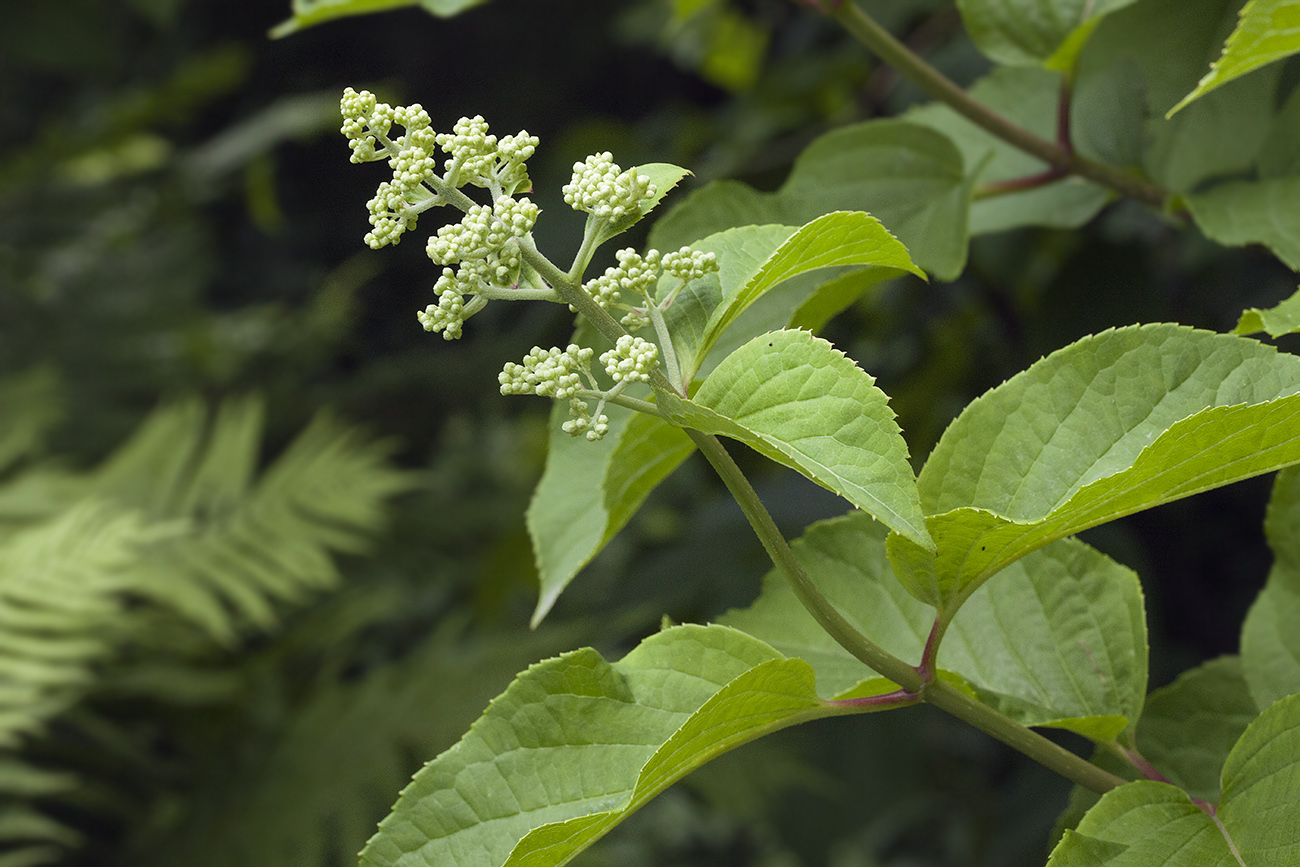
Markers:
point(817, 400)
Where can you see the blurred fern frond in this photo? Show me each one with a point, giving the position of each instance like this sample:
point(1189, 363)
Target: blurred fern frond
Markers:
point(176, 542)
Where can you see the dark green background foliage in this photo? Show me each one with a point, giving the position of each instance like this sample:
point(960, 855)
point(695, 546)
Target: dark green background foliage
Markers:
point(179, 225)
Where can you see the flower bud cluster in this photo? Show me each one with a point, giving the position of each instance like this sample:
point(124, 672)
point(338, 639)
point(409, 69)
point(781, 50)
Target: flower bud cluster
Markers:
point(687, 264)
point(583, 423)
point(599, 187)
point(448, 315)
point(634, 273)
point(475, 157)
point(631, 359)
point(483, 231)
point(547, 372)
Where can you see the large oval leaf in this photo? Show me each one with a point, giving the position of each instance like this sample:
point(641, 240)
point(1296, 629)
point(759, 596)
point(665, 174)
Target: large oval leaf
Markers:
point(1058, 640)
point(1113, 424)
point(576, 744)
point(803, 403)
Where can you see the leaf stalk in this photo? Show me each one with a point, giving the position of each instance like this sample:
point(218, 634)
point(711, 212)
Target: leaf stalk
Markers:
point(1063, 161)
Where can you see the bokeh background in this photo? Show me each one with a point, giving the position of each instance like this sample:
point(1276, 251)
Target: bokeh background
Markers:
point(180, 227)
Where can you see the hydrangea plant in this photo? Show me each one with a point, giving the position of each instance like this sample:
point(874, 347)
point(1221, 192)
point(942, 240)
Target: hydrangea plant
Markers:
point(960, 585)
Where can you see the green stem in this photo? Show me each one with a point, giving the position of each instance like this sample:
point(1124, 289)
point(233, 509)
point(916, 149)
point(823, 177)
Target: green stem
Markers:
point(865, 29)
point(844, 633)
point(674, 369)
point(944, 695)
point(935, 691)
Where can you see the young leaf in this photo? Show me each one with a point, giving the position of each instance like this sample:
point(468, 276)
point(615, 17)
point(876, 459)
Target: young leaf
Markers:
point(664, 176)
point(1059, 639)
point(1253, 212)
point(1269, 30)
point(1113, 424)
point(1270, 641)
point(1033, 32)
point(590, 490)
point(1149, 824)
point(576, 744)
point(1275, 321)
point(803, 403)
point(908, 176)
point(749, 267)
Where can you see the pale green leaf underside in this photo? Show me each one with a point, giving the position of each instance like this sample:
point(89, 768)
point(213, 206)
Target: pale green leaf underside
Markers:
point(1270, 637)
point(577, 743)
point(798, 400)
point(1276, 321)
point(1158, 826)
point(1034, 32)
point(1113, 424)
point(1253, 212)
point(1058, 639)
point(1268, 31)
point(589, 491)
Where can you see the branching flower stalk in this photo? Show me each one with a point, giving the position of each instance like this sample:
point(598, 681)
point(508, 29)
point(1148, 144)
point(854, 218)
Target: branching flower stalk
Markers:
point(491, 255)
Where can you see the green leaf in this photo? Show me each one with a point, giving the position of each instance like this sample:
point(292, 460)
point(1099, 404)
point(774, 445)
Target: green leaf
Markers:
point(664, 176)
point(589, 491)
point(1270, 641)
point(1059, 639)
point(801, 402)
point(755, 259)
point(1029, 97)
point(1112, 424)
point(1034, 32)
point(1269, 30)
point(1275, 321)
point(1253, 212)
point(1189, 726)
point(576, 744)
point(1136, 66)
point(1258, 819)
point(907, 175)
point(308, 13)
